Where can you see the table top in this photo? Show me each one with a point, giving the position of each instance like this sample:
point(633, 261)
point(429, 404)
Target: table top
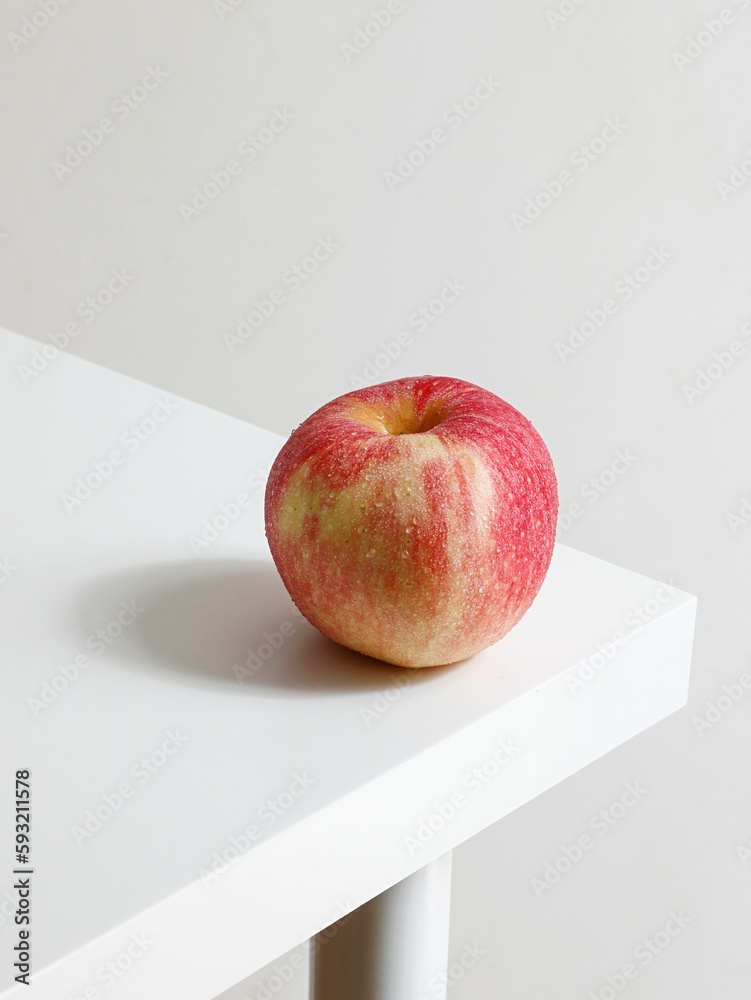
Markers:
point(207, 770)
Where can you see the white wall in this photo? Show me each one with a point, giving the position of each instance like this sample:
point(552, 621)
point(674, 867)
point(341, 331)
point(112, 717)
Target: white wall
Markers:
point(682, 130)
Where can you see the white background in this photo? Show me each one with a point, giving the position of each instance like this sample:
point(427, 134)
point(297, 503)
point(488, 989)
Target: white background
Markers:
point(685, 125)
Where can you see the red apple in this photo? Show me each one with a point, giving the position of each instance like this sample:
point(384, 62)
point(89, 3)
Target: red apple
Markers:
point(413, 520)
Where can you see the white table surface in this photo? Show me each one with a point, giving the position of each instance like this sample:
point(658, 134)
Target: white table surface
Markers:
point(313, 709)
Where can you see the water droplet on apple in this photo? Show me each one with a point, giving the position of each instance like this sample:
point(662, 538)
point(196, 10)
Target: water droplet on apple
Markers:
point(408, 530)
point(405, 554)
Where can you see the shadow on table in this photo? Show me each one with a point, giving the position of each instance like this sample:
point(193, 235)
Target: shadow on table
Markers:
point(223, 622)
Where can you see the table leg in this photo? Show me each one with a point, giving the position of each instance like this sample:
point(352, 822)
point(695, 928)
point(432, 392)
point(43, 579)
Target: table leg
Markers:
point(392, 947)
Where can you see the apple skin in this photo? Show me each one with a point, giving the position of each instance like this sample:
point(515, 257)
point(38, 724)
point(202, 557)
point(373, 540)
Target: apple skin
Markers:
point(414, 520)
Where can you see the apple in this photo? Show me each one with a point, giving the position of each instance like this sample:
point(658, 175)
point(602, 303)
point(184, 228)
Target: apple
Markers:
point(414, 520)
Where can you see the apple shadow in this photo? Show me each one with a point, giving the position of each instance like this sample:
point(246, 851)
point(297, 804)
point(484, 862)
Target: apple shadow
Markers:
point(219, 623)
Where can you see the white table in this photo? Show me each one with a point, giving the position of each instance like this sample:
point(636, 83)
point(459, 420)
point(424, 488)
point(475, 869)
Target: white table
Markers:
point(193, 719)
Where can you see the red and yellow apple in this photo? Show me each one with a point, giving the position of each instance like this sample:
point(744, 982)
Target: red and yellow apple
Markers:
point(414, 520)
